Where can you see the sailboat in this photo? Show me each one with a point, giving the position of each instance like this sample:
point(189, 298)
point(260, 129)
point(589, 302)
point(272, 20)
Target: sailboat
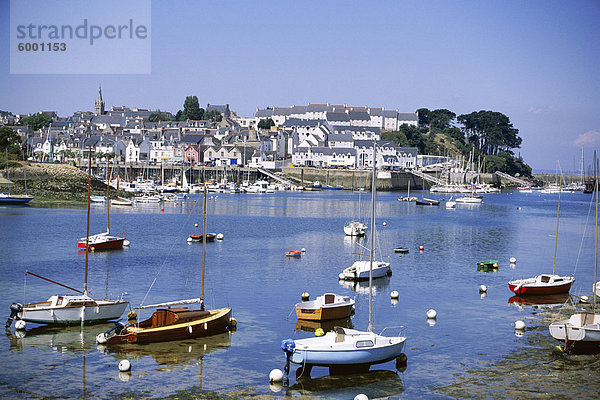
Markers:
point(407, 198)
point(424, 201)
point(80, 308)
point(470, 198)
point(104, 240)
point(345, 348)
point(7, 198)
point(356, 227)
point(169, 323)
point(582, 328)
point(544, 284)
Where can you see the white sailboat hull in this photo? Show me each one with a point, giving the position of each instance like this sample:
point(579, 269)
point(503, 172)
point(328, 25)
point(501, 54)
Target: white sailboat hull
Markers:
point(359, 270)
point(578, 328)
point(65, 310)
point(355, 228)
point(349, 348)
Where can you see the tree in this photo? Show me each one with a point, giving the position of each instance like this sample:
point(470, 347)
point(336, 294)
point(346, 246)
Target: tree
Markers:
point(266, 123)
point(191, 109)
point(407, 136)
point(158, 115)
point(490, 132)
point(398, 137)
point(440, 119)
point(9, 139)
point(423, 115)
point(37, 121)
point(213, 115)
point(456, 134)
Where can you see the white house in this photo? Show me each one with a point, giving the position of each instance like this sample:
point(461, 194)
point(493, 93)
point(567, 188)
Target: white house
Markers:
point(132, 152)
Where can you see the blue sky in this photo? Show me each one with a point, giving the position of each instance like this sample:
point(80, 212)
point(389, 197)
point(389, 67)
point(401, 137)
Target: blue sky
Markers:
point(535, 61)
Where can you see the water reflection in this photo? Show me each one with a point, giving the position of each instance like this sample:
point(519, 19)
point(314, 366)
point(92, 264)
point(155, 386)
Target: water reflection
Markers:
point(174, 353)
point(362, 287)
point(312, 326)
point(62, 339)
point(375, 384)
point(544, 300)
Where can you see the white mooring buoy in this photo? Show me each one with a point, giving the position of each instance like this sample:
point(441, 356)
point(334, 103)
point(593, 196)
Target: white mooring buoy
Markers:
point(124, 365)
point(276, 375)
point(20, 325)
point(482, 289)
point(303, 250)
point(189, 240)
point(361, 397)
point(519, 325)
point(101, 339)
point(431, 313)
point(219, 236)
point(305, 296)
point(512, 260)
point(394, 294)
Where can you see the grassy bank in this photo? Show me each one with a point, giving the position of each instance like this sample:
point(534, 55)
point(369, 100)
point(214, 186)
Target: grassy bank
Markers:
point(52, 183)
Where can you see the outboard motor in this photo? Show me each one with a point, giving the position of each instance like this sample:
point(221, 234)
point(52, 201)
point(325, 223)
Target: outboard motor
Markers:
point(288, 346)
point(117, 329)
point(15, 308)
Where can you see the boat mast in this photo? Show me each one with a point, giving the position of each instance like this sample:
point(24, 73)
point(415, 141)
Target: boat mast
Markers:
point(7, 172)
point(87, 233)
point(370, 327)
point(203, 242)
point(107, 200)
point(557, 215)
point(24, 174)
point(596, 241)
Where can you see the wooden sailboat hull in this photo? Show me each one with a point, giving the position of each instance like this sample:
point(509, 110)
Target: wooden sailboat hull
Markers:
point(327, 307)
point(323, 314)
point(217, 322)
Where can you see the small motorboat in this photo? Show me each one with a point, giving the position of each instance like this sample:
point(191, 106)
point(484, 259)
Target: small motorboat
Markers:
point(121, 201)
point(326, 307)
point(486, 266)
point(210, 237)
point(293, 253)
point(401, 250)
point(97, 199)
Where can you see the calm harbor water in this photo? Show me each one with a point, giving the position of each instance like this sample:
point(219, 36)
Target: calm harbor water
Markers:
point(248, 272)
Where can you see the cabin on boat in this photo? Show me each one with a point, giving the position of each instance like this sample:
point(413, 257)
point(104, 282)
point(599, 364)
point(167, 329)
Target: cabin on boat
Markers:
point(172, 316)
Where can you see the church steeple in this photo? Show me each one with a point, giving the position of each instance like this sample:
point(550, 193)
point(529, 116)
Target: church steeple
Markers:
point(99, 104)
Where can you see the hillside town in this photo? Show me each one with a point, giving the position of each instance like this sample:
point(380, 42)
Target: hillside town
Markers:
point(315, 135)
